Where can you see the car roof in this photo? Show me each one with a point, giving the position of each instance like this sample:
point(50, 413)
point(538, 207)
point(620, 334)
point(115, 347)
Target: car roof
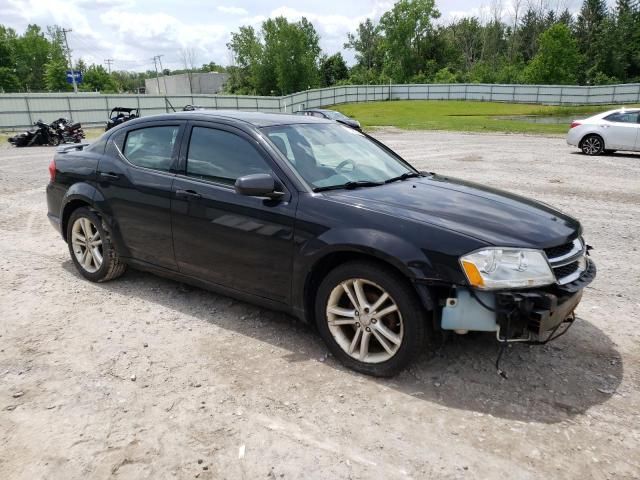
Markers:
point(257, 119)
point(616, 110)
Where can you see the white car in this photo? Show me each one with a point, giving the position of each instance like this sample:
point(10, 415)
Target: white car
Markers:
point(607, 132)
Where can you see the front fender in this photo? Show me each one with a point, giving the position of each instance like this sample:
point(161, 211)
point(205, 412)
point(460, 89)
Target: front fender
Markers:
point(385, 246)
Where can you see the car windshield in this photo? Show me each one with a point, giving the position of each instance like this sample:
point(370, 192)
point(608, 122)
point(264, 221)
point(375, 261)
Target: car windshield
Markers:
point(332, 155)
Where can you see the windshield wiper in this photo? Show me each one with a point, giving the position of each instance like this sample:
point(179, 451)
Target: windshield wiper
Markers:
point(349, 185)
point(404, 176)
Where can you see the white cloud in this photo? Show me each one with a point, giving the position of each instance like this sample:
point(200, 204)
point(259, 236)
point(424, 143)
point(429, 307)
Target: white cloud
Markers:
point(233, 10)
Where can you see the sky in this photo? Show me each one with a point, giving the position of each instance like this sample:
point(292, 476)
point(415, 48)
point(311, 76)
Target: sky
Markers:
point(131, 32)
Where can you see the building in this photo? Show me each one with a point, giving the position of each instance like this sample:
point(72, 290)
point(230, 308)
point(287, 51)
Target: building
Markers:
point(187, 84)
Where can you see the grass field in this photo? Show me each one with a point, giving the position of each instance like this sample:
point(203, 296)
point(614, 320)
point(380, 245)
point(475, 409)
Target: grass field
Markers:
point(464, 115)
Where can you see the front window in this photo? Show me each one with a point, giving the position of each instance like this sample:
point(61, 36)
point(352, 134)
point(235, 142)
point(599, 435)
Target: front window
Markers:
point(220, 156)
point(331, 155)
point(151, 147)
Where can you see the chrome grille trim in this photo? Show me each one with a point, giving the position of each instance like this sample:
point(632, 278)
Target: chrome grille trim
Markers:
point(575, 255)
point(577, 249)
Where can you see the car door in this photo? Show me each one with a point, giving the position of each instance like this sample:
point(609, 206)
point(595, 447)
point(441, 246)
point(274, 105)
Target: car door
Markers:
point(135, 178)
point(220, 236)
point(621, 130)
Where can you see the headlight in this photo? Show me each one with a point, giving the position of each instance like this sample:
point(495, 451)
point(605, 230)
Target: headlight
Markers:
point(495, 268)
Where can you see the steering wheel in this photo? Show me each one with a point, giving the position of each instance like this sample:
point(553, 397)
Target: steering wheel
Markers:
point(345, 163)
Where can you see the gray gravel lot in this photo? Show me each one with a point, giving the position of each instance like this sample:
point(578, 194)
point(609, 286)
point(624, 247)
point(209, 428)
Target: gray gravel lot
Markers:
point(145, 378)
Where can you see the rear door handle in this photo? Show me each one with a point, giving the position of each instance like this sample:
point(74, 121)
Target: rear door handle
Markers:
point(187, 194)
point(110, 176)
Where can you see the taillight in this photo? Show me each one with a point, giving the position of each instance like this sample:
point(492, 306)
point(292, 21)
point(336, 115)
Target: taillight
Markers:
point(52, 170)
point(575, 124)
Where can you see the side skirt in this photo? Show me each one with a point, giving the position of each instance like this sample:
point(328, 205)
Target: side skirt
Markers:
point(214, 287)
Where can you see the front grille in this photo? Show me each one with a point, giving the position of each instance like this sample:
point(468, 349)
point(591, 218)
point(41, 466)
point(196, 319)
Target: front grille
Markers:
point(559, 251)
point(567, 260)
point(566, 270)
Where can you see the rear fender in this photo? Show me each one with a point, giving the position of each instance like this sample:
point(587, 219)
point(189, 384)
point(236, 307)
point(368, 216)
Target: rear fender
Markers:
point(83, 193)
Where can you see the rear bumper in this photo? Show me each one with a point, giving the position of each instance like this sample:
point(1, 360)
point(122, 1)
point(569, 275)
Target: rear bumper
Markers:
point(573, 137)
point(55, 222)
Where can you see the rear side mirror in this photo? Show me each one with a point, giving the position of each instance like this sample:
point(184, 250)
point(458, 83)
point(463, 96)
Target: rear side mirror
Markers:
point(257, 185)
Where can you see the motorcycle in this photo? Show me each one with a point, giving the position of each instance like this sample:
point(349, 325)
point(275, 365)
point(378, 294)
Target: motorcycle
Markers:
point(43, 134)
point(68, 132)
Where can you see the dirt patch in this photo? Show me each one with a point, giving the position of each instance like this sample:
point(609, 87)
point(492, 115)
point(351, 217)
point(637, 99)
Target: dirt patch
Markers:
point(144, 378)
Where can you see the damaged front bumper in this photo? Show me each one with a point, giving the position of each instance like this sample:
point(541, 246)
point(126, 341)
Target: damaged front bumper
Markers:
point(535, 316)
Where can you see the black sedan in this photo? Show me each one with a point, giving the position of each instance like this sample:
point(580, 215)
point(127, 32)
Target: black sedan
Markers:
point(321, 221)
point(331, 115)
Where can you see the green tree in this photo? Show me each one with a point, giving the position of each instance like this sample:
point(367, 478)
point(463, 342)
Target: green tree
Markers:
point(333, 69)
point(55, 70)
point(283, 59)
point(589, 33)
point(32, 54)
point(55, 75)
point(444, 75)
point(247, 54)
point(408, 37)
point(97, 79)
point(367, 44)
point(8, 78)
point(466, 37)
point(557, 60)
point(625, 33)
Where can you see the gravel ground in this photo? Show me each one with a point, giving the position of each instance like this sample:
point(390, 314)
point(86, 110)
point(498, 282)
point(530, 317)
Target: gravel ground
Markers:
point(145, 378)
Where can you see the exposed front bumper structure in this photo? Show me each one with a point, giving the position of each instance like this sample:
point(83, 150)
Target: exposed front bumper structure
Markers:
point(537, 316)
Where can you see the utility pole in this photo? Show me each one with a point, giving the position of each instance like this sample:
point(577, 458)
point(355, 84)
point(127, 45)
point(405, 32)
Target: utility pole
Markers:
point(164, 80)
point(109, 61)
point(155, 65)
point(73, 73)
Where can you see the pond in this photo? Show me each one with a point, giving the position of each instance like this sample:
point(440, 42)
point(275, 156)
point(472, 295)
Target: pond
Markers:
point(545, 119)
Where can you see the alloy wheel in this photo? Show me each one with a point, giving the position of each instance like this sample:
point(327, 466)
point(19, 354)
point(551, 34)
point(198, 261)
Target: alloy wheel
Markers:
point(365, 320)
point(87, 244)
point(591, 145)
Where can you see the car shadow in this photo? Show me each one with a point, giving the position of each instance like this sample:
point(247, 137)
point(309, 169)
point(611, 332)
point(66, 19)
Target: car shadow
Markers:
point(614, 155)
point(545, 384)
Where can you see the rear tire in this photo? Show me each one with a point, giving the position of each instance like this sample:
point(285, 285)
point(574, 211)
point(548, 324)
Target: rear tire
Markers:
point(370, 318)
point(90, 247)
point(592, 145)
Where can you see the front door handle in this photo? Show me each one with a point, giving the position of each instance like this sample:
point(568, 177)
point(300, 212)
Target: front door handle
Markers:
point(109, 175)
point(188, 194)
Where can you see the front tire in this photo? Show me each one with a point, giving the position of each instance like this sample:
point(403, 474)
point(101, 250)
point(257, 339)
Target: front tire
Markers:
point(370, 318)
point(90, 247)
point(592, 145)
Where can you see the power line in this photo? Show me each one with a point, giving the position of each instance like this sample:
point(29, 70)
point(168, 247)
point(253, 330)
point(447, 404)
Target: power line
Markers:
point(73, 73)
point(109, 61)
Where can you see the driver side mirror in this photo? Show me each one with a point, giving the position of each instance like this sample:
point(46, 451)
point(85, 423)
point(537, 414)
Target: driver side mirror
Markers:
point(258, 185)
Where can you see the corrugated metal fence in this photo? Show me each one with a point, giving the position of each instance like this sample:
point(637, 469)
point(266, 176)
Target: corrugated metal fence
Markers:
point(21, 110)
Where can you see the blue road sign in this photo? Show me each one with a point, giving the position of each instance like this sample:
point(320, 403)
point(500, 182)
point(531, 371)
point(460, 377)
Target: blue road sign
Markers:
point(75, 73)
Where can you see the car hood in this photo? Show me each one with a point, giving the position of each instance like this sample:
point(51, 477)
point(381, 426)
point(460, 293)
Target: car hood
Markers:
point(490, 215)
